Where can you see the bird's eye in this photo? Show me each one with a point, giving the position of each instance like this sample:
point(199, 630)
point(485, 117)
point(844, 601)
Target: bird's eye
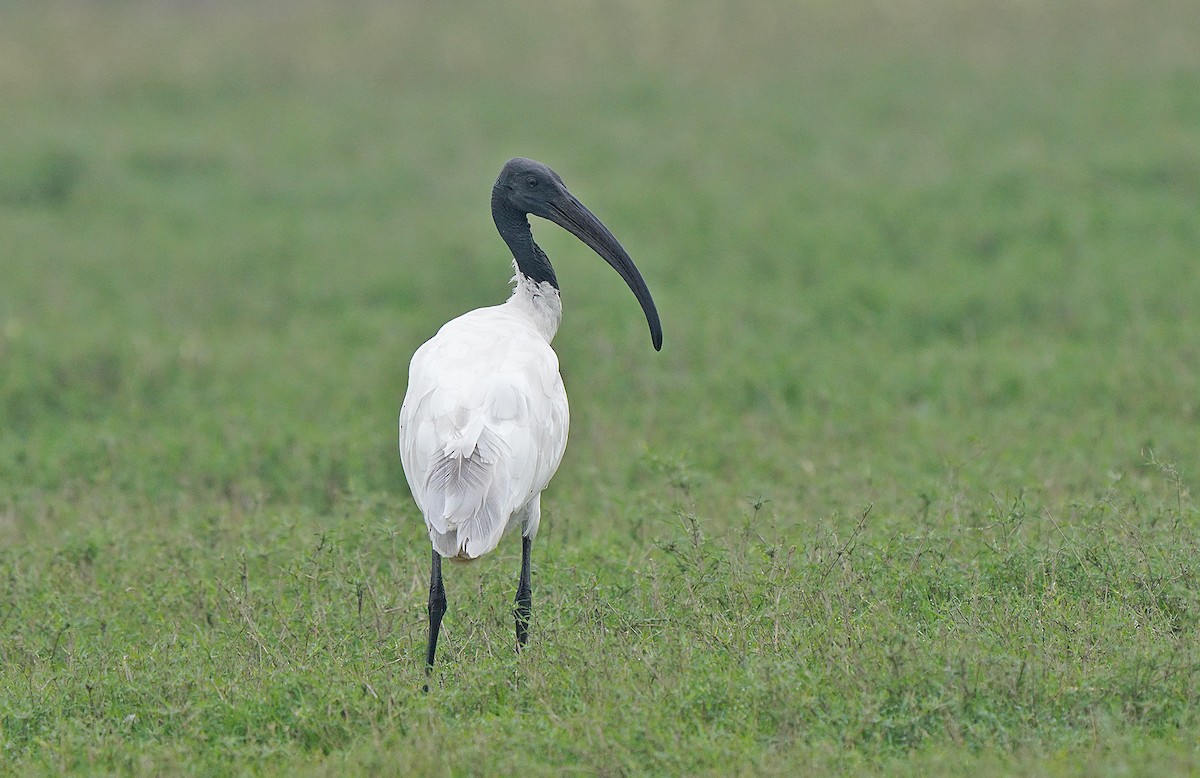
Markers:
point(531, 182)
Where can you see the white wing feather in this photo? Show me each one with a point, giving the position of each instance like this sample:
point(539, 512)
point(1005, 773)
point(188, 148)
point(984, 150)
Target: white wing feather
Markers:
point(482, 429)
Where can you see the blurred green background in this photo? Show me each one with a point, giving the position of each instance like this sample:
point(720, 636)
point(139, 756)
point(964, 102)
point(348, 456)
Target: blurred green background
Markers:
point(930, 262)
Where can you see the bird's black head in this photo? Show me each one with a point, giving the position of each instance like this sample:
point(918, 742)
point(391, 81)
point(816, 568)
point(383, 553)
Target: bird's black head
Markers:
point(528, 187)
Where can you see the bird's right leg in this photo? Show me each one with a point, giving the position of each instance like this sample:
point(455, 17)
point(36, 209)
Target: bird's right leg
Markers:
point(437, 609)
point(524, 601)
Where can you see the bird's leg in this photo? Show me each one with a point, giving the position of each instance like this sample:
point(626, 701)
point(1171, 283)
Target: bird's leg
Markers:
point(437, 608)
point(524, 596)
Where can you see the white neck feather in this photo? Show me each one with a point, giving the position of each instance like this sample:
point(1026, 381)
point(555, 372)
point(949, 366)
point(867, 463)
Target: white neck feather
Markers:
point(540, 302)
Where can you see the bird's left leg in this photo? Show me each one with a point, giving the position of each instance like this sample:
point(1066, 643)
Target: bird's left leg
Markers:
point(523, 611)
point(437, 609)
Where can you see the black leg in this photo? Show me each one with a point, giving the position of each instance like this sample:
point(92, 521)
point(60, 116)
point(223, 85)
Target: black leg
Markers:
point(437, 608)
point(524, 596)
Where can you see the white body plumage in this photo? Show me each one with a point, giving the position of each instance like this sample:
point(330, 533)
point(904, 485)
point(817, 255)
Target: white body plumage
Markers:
point(484, 421)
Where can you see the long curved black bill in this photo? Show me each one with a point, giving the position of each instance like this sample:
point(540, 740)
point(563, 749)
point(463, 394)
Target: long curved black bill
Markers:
point(572, 216)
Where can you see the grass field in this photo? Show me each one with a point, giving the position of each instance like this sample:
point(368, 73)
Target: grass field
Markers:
point(911, 489)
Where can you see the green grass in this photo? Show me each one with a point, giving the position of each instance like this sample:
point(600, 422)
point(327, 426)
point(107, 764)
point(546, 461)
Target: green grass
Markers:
point(911, 488)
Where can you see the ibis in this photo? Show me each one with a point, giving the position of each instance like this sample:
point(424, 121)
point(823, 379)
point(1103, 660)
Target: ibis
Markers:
point(484, 422)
